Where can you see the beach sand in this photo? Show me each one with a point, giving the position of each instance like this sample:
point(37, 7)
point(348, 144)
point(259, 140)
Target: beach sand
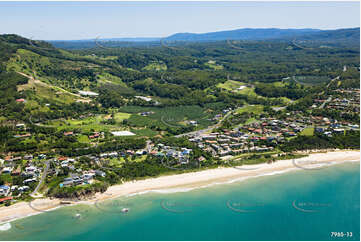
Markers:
point(187, 181)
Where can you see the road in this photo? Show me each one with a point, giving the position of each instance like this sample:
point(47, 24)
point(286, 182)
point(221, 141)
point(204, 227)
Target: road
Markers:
point(336, 78)
point(148, 147)
point(326, 101)
point(32, 79)
point(208, 129)
point(47, 164)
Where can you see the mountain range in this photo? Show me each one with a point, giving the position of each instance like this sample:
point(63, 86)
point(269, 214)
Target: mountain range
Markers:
point(244, 34)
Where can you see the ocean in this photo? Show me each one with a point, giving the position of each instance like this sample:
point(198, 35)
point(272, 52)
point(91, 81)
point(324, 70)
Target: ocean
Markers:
point(322, 204)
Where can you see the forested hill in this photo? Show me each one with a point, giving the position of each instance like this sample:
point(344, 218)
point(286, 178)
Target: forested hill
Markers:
point(203, 73)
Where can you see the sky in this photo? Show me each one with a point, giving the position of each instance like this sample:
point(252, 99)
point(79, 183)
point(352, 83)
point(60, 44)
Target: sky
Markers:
point(89, 20)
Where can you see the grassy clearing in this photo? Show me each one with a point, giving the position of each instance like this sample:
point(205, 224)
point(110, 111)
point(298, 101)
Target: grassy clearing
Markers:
point(91, 123)
point(279, 84)
point(48, 93)
point(233, 86)
point(96, 123)
point(251, 120)
point(311, 80)
point(309, 131)
point(144, 132)
point(156, 66)
point(169, 115)
point(85, 126)
point(27, 61)
point(230, 85)
point(212, 64)
point(256, 109)
point(119, 117)
point(249, 91)
point(83, 139)
point(108, 78)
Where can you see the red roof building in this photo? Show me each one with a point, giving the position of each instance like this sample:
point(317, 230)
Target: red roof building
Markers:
point(5, 199)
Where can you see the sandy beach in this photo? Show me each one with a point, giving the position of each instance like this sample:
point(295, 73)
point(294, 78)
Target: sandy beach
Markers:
point(187, 180)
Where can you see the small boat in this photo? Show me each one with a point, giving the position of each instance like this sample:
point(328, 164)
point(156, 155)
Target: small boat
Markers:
point(125, 210)
point(78, 215)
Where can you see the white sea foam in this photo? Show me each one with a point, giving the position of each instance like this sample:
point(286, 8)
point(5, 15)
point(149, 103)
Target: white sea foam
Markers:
point(240, 179)
point(176, 190)
point(5, 226)
point(162, 191)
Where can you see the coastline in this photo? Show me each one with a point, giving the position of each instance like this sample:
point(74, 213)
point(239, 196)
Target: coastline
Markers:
point(185, 181)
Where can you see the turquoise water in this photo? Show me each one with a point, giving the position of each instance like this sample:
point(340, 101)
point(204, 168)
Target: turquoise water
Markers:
point(298, 205)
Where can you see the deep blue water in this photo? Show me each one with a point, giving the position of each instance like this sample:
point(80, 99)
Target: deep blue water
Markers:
point(298, 205)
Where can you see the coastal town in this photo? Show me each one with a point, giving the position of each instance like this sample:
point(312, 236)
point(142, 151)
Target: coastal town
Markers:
point(261, 134)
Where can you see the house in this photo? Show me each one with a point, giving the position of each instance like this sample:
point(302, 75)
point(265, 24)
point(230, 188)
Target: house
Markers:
point(88, 176)
point(141, 152)
point(319, 129)
point(64, 163)
point(66, 183)
point(20, 100)
point(7, 170)
point(20, 126)
point(5, 199)
point(30, 169)
point(77, 180)
point(192, 122)
point(23, 188)
point(130, 152)
point(122, 133)
point(100, 173)
point(42, 156)
point(88, 93)
point(13, 188)
point(4, 190)
point(68, 133)
point(16, 172)
point(29, 180)
point(339, 131)
point(62, 158)
point(186, 151)
point(183, 160)
point(201, 158)
point(95, 135)
point(28, 157)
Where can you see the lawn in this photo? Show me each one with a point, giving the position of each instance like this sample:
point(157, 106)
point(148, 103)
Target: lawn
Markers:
point(308, 131)
point(172, 116)
point(108, 78)
point(256, 109)
point(230, 85)
point(249, 91)
point(144, 132)
point(91, 123)
point(83, 139)
point(119, 117)
point(156, 66)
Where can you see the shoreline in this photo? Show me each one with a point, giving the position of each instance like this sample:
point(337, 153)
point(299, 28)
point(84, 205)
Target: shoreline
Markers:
point(185, 182)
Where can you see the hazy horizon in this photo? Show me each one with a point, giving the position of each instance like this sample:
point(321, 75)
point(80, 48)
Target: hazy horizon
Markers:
point(106, 20)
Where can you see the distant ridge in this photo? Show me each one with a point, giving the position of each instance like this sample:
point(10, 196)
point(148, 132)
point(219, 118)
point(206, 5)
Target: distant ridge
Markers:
point(341, 36)
point(242, 34)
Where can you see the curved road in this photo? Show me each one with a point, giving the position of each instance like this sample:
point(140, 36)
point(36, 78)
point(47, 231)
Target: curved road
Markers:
point(47, 164)
point(209, 128)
